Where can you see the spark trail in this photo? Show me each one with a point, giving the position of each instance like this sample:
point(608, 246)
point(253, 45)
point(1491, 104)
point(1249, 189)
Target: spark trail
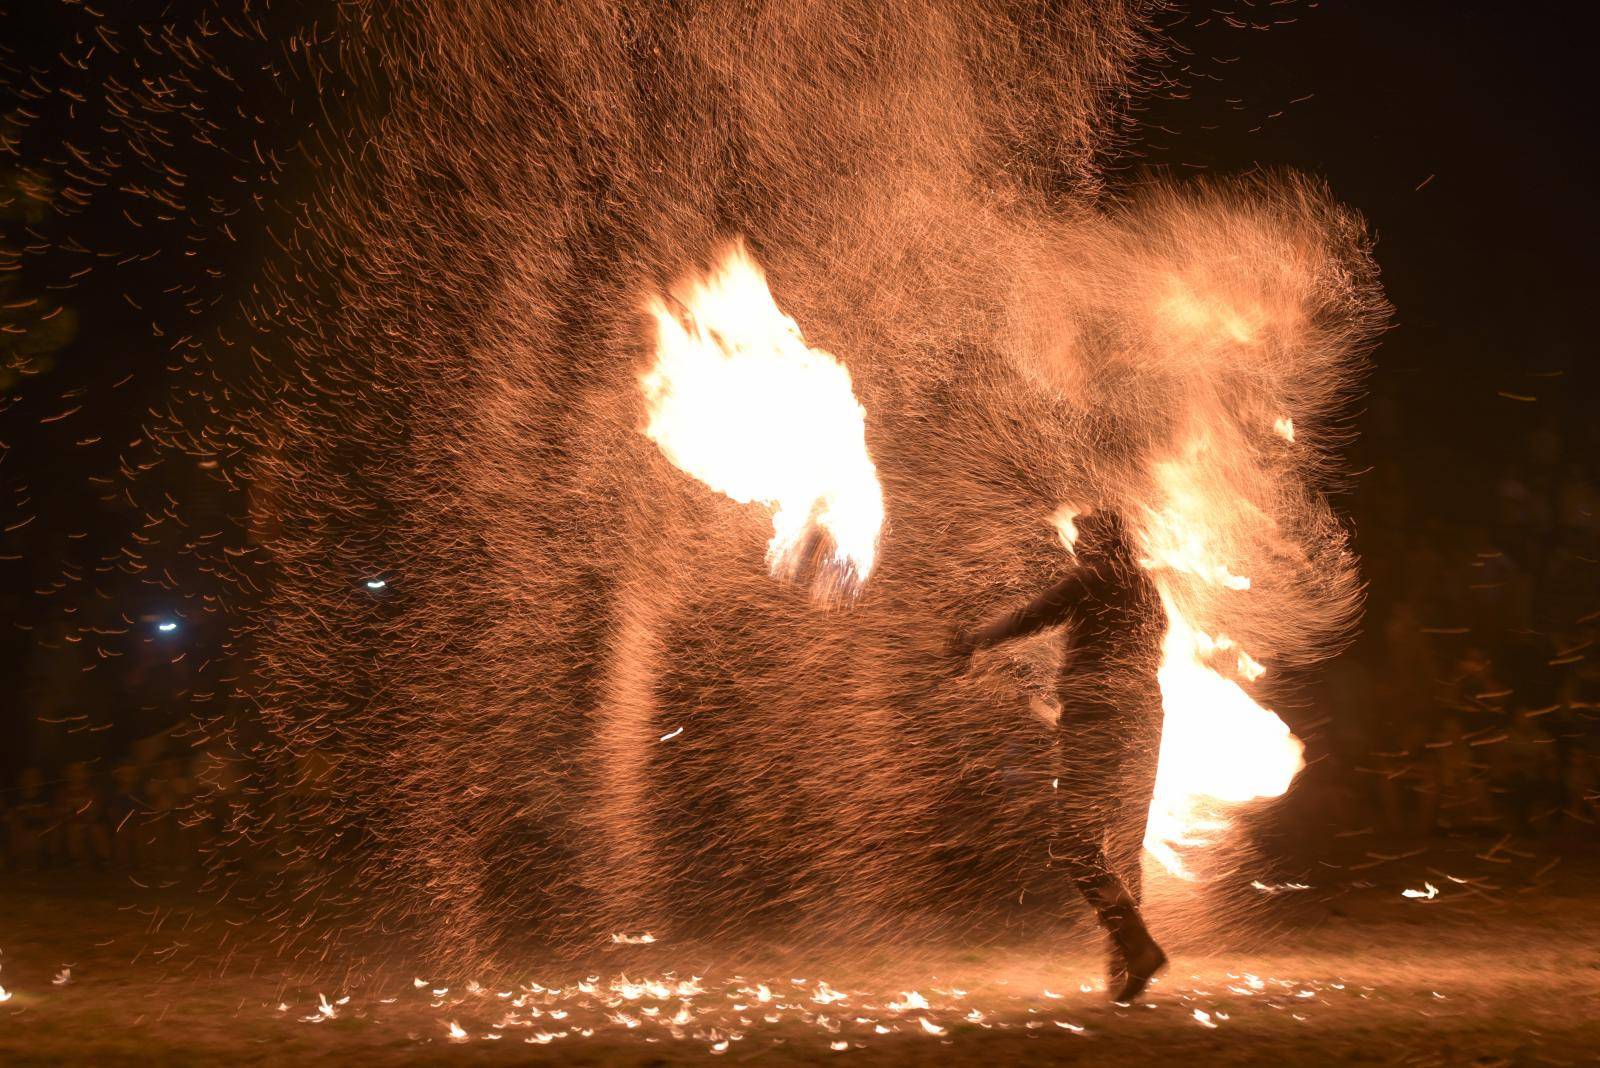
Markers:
point(581, 702)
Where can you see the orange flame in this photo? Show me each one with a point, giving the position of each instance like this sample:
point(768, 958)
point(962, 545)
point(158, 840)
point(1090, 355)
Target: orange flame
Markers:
point(738, 400)
point(1218, 746)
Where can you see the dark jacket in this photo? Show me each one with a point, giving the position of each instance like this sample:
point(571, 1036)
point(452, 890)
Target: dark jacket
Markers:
point(1108, 599)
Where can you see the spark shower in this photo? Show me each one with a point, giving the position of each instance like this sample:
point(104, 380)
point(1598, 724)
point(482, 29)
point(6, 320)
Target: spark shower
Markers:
point(688, 373)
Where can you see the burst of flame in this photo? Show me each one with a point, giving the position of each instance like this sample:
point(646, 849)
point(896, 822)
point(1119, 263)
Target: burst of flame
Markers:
point(738, 400)
point(1175, 534)
point(1218, 746)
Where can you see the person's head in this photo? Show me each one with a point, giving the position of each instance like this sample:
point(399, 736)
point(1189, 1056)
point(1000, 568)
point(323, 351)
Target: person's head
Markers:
point(1101, 532)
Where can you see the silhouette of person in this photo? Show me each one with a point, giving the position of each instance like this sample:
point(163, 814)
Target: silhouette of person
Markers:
point(1107, 733)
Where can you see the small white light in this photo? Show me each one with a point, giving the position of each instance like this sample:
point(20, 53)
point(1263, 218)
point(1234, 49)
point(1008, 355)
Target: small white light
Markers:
point(376, 584)
point(167, 628)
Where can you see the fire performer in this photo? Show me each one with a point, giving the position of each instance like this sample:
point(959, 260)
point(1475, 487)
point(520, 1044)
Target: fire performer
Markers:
point(1106, 737)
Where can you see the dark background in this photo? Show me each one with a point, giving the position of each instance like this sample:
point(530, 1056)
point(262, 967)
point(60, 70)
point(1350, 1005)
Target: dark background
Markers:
point(145, 158)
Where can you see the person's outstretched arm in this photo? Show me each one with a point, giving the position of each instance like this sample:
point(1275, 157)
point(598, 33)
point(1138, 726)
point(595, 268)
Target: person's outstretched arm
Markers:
point(1049, 609)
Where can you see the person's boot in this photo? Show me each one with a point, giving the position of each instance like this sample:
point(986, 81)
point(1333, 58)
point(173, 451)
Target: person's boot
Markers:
point(1136, 958)
point(1142, 958)
point(1116, 966)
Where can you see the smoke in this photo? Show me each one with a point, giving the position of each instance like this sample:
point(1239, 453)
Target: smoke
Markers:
point(450, 356)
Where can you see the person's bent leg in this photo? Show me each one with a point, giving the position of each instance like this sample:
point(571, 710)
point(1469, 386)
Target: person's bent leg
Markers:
point(1089, 799)
point(1140, 957)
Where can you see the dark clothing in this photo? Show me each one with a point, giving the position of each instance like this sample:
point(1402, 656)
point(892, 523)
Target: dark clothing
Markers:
point(1110, 603)
point(1108, 736)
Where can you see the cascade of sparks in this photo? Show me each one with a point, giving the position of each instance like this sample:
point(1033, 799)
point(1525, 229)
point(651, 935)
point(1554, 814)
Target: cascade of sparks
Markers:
point(517, 673)
point(738, 400)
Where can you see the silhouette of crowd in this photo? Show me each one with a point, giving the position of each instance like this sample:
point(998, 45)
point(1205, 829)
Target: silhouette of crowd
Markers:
point(1472, 702)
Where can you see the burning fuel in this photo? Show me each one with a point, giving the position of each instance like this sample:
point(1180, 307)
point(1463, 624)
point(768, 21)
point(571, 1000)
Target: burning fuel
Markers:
point(699, 1013)
point(738, 400)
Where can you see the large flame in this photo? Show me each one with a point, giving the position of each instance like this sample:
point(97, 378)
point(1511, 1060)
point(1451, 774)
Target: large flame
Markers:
point(1219, 748)
point(738, 400)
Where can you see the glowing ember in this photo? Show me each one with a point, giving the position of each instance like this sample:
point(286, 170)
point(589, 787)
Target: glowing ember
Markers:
point(909, 1000)
point(1279, 888)
point(623, 938)
point(1064, 521)
point(737, 399)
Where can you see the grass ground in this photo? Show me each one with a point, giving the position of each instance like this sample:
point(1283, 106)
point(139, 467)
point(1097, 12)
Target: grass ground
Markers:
point(1487, 973)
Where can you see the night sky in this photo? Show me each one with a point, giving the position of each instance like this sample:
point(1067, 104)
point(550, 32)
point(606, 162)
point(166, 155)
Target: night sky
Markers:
point(1460, 130)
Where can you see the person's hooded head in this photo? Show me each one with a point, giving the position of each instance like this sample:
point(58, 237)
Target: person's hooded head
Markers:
point(1102, 534)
